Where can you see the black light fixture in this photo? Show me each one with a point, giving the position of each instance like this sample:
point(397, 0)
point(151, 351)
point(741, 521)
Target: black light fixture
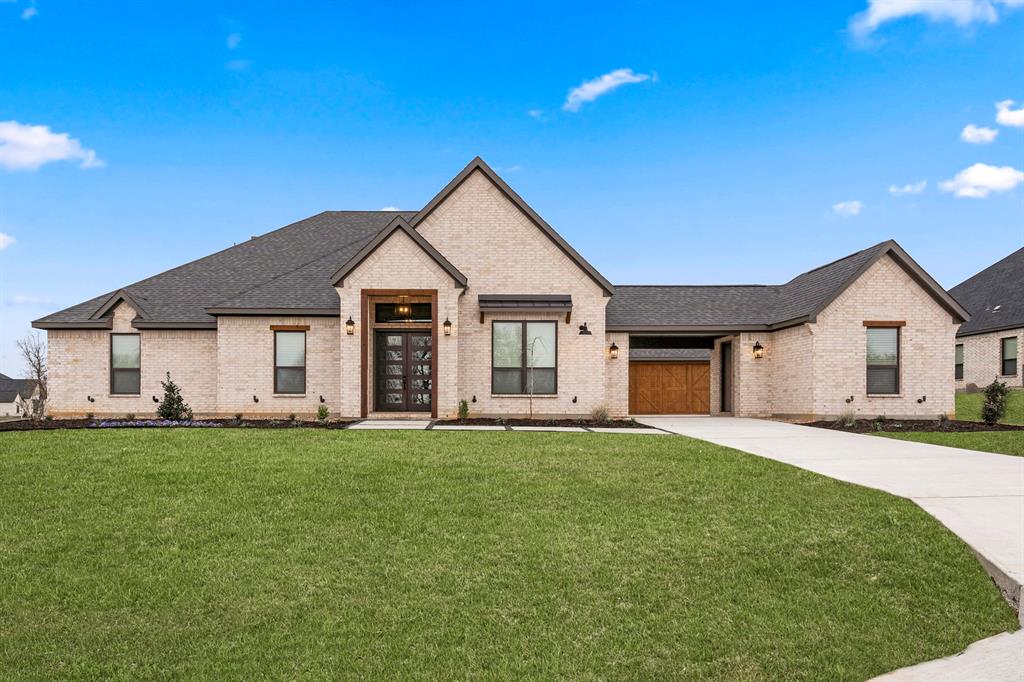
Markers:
point(155, 399)
point(322, 399)
point(584, 330)
point(402, 308)
point(613, 350)
point(350, 326)
point(447, 327)
point(255, 399)
point(90, 398)
point(758, 350)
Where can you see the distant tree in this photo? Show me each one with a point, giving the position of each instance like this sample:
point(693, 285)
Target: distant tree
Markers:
point(173, 406)
point(32, 348)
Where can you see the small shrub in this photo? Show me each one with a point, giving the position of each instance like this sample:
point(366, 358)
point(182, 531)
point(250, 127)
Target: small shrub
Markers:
point(48, 418)
point(90, 416)
point(994, 408)
point(130, 416)
point(944, 419)
point(322, 413)
point(291, 417)
point(846, 419)
point(633, 421)
point(600, 414)
point(273, 422)
point(552, 422)
point(173, 407)
point(463, 410)
point(238, 416)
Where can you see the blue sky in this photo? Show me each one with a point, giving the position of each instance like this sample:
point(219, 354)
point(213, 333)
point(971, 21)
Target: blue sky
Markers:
point(757, 141)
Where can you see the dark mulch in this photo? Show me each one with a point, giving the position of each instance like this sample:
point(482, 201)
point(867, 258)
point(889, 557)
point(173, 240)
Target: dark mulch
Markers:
point(927, 425)
point(591, 423)
point(48, 425)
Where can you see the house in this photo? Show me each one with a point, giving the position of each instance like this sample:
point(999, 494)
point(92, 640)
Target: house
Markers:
point(15, 395)
point(475, 297)
point(988, 346)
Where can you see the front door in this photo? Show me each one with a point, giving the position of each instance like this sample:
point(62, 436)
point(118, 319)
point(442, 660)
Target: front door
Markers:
point(403, 365)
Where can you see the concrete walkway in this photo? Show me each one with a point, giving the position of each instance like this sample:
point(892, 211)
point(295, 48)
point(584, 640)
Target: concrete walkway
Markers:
point(977, 495)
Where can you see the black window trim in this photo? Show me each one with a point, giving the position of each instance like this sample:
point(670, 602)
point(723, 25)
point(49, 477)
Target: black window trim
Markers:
point(899, 358)
point(125, 370)
point(1003, 359)
point(958, 367)
point(305, 340)
point(522, 362)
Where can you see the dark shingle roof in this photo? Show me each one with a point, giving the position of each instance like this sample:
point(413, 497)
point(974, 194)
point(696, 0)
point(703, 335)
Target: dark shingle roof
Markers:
point(287, 268)
point(10, 388)
point(723, 308)
point(994, 296)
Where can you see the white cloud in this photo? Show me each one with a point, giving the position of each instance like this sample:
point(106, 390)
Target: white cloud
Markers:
point(512, 169)
point(590, 90)
point(975, 135)
point(911, 188)
point(237, 64)
point(1007, 116)
point(535, 113)
point(27, 147)
point(847, 208)
point(6, 240)
point(24, 300)
point(960, 12)
point(28, 13)
point(390, 208)
point(980, 180)
point(234, 40)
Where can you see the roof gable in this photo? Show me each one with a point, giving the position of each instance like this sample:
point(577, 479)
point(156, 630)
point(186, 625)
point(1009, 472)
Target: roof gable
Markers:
point(399, 224)
point(478, 164)
point(994, 296)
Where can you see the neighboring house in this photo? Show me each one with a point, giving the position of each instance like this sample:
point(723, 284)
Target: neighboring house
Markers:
point(475, 297)
point(989, 345)
point(15, 395)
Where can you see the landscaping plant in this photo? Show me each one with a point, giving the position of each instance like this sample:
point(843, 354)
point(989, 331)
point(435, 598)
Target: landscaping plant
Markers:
point(463, 410)
point(173, 407)
point(322, 413)
point(995, 403)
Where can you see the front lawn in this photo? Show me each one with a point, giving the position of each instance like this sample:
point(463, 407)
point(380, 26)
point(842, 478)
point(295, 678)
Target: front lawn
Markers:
point(310, 554)
point(968, 406)
point(1005, 442)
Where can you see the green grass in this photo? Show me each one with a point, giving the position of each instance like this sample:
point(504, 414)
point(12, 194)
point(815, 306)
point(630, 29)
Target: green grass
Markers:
point(1005, 442)
point(312, 554)
point(968, 407)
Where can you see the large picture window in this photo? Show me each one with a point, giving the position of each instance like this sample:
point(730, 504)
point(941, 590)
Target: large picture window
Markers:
point(289, 362)
point(958, 362)
point(883, 360)
point(125, 364)
point(524, 358)
point(1008, 353)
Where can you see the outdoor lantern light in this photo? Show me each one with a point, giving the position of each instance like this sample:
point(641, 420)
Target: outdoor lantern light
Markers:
point(403, 309)
point(350, 326)
point(584, 331)
point(758, 350)
point(613, 350)
point(447, 327)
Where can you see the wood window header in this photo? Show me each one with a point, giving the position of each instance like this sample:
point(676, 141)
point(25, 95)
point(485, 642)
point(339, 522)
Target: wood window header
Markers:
point(289, 327)
point(885, 323)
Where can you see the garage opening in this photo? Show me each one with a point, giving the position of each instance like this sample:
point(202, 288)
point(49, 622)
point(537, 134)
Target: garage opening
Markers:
point(670, 375)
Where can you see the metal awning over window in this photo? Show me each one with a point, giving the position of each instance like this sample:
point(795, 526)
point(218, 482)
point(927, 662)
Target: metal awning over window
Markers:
point(525, 303)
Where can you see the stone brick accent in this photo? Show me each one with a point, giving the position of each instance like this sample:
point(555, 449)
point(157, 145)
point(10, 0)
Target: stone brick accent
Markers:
point(79, 362)
point(983, 359)
point(501, 251)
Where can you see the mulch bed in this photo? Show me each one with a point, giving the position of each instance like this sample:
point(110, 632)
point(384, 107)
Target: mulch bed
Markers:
point(27, 425)
point(589, 423)
point(928, 425)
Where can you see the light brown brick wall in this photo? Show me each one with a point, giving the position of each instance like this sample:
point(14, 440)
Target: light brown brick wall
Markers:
point(501, 251)
point(79, 362)
point(983, 358)
point(617, 375)
point(245, 363)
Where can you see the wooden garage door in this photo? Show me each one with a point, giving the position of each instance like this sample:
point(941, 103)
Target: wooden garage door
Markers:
point(669, 387)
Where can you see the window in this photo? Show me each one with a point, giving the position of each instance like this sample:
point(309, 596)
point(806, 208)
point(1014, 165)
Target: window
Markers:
point(289, 362)
point(125, 364)
point(958, 362)
point(1009, 356)
point(388, 312)
point(524, 358)
point(883, 360)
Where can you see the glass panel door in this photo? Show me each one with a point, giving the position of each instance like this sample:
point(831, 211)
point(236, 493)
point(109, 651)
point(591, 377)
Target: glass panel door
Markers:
point(404, 363)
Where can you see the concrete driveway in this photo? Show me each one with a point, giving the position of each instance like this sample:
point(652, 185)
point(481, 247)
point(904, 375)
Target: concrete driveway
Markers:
point(977, 495)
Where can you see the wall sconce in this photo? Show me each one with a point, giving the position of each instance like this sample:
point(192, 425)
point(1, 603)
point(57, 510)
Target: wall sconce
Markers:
point(322, 399)
point(255, 399)
point(575, 399)
point(474, 399)
point(613, 350)
point(584, 330)
point(90, 398)
point(849, 400)
point(350, 326)
point(447, 327)
point(922, 399)
point(155, 399)
point(758, 350)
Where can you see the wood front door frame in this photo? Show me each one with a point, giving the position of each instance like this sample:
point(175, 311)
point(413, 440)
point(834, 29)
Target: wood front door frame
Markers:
point(365, 295)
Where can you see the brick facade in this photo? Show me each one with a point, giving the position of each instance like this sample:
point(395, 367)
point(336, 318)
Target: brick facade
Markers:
point(983, 359)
